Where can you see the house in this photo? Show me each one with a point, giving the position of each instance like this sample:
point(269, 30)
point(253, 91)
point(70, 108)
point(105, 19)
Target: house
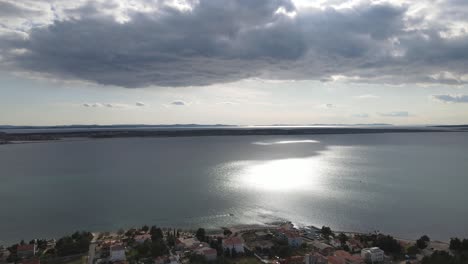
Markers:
point(117, 253)
point(233, 243)
point(140, 239)
point(210, 254)
point(315, 258)
point(348, 258)
point(354, 245)
point(190, 243)
point(335, 243)
point(291, 235)
point(26, 251)
point(294, 260)
point(4, 254)
point(322, 248)
point(372, 255)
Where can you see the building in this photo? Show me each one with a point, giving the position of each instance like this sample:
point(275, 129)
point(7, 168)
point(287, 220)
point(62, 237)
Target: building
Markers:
point(117, 253)
point(291, 235)
point(140, 239)
point(315, 258)
point(322, 248)
point(233, 243)
point(189, 244)
point(210, 254)
point(26, 251)
point(354, 245)
point(372, 255)
point(348, 258)
point(294, 239)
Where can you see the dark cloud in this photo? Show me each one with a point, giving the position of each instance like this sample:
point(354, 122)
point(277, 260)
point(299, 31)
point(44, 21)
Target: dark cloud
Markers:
point(140, 104)
point(224, 41)
point(395, 114)
point(448, 98)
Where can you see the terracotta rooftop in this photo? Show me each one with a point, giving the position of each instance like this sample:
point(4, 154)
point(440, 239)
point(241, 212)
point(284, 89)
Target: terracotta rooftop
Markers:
point(232, 241)
point(26, 247)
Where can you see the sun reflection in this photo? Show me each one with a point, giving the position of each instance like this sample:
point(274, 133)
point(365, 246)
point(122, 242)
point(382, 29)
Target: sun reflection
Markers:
point(285, 142)
point(281, 175)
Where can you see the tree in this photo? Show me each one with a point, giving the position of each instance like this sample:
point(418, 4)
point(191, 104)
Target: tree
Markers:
point(464, 245)
point(156, 233)
point(326, 232)
point(158, 248)
point(145, 228)
point(201, 234)
point(439, 257)
point(77, 243)
point(120, 232)
point(422, 242)
point(227, 252)
point(227, 232)
point(343, 238)
point(412, 250)
point(130, 232)
point(455, 244)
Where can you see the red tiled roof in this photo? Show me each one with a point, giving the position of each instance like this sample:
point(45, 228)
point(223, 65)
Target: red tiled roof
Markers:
point(144, 236)
point(26, 247)
point(209, 251)
point(232, 241)
point(335, 260)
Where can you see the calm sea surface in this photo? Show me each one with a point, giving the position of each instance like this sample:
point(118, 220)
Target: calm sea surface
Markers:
point(406, 184)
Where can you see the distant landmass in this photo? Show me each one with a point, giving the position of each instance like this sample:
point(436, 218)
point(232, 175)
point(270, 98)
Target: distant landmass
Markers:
point(22, 134)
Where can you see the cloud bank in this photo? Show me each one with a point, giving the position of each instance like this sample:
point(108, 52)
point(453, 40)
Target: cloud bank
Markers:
point(447, 98)
point(190, 43)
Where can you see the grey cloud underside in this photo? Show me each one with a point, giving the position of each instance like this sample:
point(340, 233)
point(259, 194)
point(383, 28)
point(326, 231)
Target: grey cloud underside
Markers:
point(225, 41)
point(447, 98)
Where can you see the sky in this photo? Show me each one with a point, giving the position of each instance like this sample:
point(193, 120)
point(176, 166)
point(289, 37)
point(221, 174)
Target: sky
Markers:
point(239, 62)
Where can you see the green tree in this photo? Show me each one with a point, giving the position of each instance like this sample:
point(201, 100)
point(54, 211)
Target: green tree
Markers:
point(412, 250)
point(158, 248)
point(343, 238)
point(326, 232)
point(440, 257)
point(156, 233)
point(201, 234)
point(422, 242)
point(455, 244)
point(145, 228)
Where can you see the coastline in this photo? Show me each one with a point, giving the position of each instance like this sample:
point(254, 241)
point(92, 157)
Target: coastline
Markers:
point(32, 137)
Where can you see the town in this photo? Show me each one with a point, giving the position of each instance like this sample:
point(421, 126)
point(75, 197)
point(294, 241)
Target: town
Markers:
point(281, 243)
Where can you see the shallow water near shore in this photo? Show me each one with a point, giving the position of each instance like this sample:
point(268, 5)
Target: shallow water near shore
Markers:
point(405, 184)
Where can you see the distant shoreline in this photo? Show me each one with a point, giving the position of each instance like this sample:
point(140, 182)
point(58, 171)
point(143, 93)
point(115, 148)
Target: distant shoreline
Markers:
point(29, 137)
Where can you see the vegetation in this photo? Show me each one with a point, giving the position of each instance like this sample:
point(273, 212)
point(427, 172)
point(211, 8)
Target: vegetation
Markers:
point(326, 232)
point(201, 234)
point(343, 238)
point(458, 245)
point(443, 257)
point(385, 242)
point(412, 250)
point(422, 242)
point(77, 243)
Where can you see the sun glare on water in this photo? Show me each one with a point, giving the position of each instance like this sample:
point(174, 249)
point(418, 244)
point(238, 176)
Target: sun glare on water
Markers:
point(281, 175)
